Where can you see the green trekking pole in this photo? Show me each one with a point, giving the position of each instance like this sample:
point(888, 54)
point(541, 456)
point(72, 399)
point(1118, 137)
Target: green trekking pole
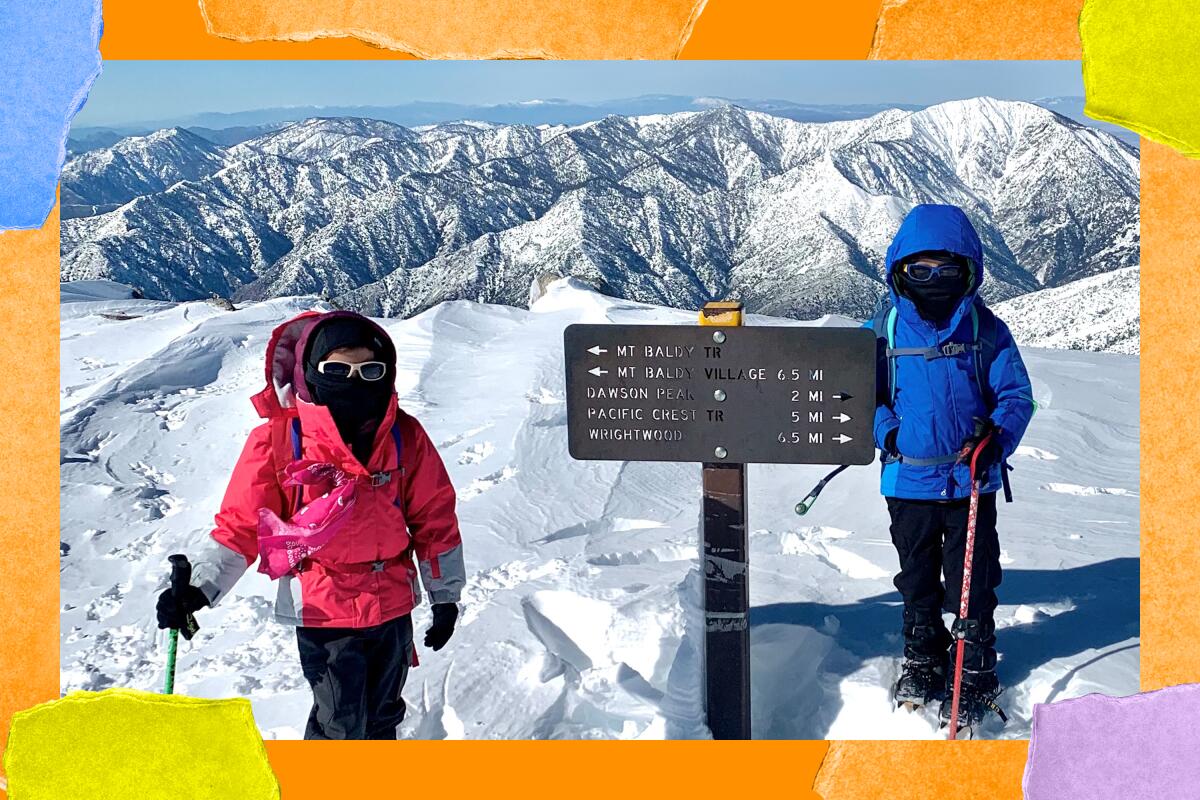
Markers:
point(181, 578)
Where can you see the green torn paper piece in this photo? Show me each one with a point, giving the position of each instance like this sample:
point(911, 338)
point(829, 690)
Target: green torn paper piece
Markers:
point(123, 743)
point(1141, 68)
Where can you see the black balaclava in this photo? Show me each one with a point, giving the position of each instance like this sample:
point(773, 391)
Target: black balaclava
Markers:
point(357, 406)
point(937, 299)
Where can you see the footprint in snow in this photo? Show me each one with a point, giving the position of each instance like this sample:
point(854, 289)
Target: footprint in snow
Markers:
point(476, 453)
point(87, 364)
point(458, 437)
point(481, 485)
point(544, 397)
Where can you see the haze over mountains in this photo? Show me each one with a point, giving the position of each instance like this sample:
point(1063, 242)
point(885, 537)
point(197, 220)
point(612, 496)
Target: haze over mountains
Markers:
point(228, 128)
point(792, 217)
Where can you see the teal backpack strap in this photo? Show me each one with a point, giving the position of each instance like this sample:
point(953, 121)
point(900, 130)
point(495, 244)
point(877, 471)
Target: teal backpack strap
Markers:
point(890, 328)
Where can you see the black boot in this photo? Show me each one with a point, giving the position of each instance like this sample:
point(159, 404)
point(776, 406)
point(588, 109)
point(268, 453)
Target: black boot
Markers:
point(979, 692)
point(980, 687)
point(922, 680)
point(923, 674)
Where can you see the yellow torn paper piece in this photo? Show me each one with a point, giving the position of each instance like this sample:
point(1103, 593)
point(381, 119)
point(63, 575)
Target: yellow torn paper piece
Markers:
point(561, 29)
point(1140, 68)
point(122, 743)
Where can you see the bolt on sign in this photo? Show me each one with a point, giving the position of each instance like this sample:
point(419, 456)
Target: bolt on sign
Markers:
point(783, 395)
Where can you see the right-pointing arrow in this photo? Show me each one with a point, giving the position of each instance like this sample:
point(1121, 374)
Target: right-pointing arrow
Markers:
point(843, 396)
point(842, 438)
point(598, 372)
point(843, 418)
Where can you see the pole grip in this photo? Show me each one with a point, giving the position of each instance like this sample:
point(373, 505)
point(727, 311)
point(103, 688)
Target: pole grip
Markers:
point(181, 573)
point(181, 579)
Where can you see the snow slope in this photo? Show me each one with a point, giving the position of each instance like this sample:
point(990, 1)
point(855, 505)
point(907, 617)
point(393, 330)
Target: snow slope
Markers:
point(1098, 313)
point(581, 613)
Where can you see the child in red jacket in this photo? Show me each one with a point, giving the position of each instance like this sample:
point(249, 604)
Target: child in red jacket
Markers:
point(334, 495)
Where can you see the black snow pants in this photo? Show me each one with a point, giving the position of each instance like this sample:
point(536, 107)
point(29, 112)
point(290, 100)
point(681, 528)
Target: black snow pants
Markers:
point(930, 538)
point(356, 675)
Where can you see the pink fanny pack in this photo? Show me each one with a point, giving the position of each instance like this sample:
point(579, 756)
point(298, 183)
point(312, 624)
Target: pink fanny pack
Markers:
point(283, 544)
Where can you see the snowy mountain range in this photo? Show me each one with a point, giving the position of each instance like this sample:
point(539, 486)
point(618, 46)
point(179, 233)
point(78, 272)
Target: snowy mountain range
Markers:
point(231, 127)
point(675, 209)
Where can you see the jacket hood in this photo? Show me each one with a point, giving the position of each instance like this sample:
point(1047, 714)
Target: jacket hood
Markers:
point(285, 361)
point(935, 227)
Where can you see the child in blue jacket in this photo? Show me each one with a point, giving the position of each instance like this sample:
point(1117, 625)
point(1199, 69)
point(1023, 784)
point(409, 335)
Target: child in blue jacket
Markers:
point(950, 374)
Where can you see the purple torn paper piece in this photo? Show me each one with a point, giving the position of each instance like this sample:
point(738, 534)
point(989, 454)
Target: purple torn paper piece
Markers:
point(49, 57)
point(1135, 748)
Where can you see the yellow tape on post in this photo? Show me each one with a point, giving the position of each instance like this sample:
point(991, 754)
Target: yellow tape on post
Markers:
point(723, 313)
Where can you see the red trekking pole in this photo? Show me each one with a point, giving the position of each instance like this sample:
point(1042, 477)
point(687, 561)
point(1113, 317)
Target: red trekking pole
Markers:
point(965, 597)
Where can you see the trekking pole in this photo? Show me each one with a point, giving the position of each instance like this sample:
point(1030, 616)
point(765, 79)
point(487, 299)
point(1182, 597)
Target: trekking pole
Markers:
point(965, 596)
point(804, 505)
point(181, 578)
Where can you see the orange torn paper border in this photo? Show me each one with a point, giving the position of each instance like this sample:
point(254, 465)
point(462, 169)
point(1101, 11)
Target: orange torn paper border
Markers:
point(997, 29)
point(867, 770)
point(128, 743)
point(468, 29)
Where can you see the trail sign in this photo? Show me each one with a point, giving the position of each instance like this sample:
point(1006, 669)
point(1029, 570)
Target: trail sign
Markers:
point(767, 394)
point(726, 396)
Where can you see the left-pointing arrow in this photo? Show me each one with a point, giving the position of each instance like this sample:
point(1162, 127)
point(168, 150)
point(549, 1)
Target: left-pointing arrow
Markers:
point(598, 372)
point(596, 350)
point(842, 438)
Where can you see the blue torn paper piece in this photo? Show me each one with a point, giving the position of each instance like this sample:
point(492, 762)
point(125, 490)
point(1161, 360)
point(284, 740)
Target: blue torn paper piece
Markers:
point(49, 58)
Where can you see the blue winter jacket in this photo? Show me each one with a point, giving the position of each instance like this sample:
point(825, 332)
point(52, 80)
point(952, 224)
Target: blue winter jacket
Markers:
point(937, 399)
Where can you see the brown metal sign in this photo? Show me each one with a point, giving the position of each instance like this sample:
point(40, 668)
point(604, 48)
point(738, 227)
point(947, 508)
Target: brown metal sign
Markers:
point(766, 394)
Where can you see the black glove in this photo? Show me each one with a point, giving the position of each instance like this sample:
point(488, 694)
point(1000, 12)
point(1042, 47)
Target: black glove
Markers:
point(889, 443)
point(991, 454)
point(173, 611)
point(442, 627)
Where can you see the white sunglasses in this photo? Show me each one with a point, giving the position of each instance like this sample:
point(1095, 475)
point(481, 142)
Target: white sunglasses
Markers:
point(367, 370)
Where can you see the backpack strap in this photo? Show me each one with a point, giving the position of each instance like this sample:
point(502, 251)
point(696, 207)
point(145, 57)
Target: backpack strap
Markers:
point(285, 448)
point(983, 323)
point(399, 470)
point(883, 324)
point(297, 449)
point(945, 351)
point(295, 434)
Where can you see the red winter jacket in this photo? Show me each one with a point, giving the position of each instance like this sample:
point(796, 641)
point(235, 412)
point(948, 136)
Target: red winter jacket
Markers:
point(366, 575)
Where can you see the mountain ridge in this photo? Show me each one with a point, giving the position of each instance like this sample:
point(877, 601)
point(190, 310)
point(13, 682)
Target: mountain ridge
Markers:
point(791, 217)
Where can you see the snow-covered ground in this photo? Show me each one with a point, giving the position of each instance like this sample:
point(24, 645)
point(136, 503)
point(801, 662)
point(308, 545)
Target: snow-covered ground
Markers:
point(581, 612)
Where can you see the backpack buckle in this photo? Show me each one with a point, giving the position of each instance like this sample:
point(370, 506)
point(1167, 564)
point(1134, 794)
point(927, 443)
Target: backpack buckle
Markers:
point(380, 478)
point(377, 566)
point(953, 348)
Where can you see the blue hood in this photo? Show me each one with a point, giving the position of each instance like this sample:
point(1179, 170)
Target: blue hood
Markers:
point(936, 227)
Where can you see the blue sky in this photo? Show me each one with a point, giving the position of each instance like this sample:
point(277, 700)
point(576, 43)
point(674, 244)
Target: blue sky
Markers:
point(136, 91)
